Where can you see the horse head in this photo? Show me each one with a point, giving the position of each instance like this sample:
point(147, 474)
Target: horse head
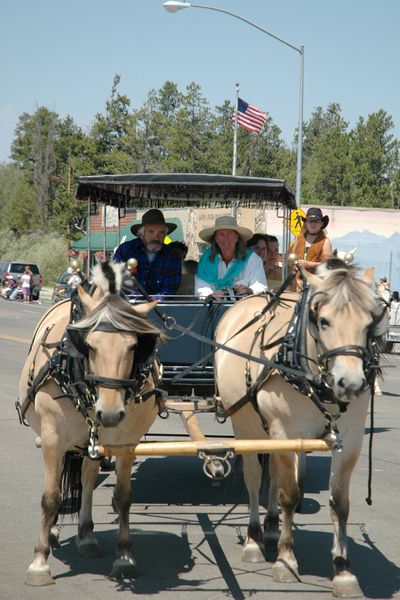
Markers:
point(345, 317)
point(111, 336)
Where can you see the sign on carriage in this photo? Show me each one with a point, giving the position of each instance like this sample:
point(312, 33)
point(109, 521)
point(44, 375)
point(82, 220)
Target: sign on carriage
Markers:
point(296, 220)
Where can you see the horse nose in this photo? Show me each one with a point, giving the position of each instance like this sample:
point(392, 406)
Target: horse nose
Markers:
point(111, 418)
point(350, 387)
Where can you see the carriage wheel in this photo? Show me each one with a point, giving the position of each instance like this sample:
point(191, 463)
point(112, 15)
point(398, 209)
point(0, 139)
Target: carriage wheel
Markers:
point(300, 463)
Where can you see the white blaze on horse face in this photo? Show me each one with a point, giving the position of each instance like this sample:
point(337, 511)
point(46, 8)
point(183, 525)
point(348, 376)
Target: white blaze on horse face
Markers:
point(111, 355)
point(346, 328)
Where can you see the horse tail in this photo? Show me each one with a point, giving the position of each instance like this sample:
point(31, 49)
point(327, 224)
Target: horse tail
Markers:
point(71, 486)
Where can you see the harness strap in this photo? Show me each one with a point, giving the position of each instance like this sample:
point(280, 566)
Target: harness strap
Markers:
point(42, 376)
point(109, 382)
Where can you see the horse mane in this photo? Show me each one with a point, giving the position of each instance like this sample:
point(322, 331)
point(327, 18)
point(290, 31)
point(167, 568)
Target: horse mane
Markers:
point(342, 284)
point(113, 309)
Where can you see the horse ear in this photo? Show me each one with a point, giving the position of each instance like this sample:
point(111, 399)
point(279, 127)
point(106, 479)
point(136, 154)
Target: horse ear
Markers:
point(87, 300)
point(145, 308)
point(312, 279)
point(369, 276)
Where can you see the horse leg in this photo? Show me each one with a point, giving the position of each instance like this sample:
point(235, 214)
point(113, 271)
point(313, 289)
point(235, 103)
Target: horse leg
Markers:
point(253, 547)
point(285, 568)
point(345, 583)
point(39, 571)
point(86, 542)
point(124, 565)
point(271, 521)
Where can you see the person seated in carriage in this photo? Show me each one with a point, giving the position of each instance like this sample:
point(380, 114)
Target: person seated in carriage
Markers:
point(312, 246)
point(158, 267)
point(228, 268)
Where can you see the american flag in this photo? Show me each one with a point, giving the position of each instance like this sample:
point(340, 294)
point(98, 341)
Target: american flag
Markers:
point(250, 117)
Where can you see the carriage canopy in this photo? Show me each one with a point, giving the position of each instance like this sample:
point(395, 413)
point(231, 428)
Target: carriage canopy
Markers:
point(161, 190)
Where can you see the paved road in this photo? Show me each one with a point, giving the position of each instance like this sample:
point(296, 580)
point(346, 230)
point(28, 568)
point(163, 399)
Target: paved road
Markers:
point(187, 533)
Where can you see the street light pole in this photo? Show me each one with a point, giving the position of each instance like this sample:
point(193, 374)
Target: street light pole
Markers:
point(173, 6)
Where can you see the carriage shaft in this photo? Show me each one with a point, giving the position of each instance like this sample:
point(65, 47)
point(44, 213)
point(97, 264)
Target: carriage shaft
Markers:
point(192, 448)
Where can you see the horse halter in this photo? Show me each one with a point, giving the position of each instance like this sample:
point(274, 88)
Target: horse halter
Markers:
point(368, 354)
point(144, 352)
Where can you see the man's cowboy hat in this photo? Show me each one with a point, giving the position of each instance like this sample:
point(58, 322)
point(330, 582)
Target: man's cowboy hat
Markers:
point(153, 217)
point(315, 214)
point(225, 222)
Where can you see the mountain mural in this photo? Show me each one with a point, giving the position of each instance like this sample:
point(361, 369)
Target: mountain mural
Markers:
point(378, 251)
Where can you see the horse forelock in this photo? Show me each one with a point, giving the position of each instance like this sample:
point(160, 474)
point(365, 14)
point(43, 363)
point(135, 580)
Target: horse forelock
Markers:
point(108, 276)
point(343, 287)
point(117, 312)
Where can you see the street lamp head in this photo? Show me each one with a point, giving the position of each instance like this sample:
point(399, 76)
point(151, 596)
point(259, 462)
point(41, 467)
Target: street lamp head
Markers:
point(172, 5)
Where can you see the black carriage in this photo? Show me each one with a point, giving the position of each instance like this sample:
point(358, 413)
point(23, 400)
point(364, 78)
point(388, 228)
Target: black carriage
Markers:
point(187, 361)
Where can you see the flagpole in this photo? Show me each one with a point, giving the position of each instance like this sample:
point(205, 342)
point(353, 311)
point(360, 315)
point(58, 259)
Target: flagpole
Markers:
point(235, 129)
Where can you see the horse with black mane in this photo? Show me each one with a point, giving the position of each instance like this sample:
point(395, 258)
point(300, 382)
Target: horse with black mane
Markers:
point(88, 382)
point(325, 356)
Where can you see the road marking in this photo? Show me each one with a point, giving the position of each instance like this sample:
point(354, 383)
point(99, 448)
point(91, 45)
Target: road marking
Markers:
point(4, 336)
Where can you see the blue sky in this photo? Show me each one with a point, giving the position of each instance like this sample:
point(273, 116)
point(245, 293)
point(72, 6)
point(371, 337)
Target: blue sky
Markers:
point(64, 54)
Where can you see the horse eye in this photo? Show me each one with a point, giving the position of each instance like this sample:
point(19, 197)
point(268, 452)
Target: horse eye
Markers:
point(324, 323)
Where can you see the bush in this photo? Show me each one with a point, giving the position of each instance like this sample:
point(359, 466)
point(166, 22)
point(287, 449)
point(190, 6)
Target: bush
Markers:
point(49, 250)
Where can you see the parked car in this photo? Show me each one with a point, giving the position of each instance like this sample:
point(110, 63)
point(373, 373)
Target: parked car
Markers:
point(15, 268)
point(61, 288)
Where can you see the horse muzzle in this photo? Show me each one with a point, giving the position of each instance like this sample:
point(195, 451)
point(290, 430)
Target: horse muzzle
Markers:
point(109, 418)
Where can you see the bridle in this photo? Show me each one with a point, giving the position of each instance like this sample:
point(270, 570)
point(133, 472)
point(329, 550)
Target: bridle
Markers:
point(144, 352)
point(368, 354)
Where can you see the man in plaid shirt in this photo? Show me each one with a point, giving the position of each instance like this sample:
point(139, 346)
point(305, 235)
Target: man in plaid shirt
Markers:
point(158, 268)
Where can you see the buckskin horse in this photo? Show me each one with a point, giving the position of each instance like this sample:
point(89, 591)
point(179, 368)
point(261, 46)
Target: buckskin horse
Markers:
point(87, 382)
point(324, 357)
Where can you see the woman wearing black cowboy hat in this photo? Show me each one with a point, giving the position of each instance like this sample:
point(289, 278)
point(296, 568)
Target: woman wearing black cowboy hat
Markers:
point(312, 245)
point(158, 268)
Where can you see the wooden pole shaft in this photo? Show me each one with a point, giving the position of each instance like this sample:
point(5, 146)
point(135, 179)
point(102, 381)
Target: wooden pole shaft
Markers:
point(172, 448)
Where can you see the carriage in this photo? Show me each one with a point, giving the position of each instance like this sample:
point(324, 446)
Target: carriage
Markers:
point(300, 363)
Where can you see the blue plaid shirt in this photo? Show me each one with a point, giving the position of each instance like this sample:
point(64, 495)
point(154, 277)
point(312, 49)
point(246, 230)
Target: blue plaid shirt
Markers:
point(162, 276)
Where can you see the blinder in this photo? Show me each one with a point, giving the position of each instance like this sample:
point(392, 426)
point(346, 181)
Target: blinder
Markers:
point(76, 347)
point(75, 344)
point(313, 321)
point(378, 314)
point(145, 348)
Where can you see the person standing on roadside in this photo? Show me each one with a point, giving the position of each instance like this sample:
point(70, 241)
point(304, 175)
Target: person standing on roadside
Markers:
point(26, 280)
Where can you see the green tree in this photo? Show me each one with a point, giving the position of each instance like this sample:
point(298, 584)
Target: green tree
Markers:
point(327, 169)
point(190, 143)
point(110, 132)
point(375, 157)
point(10, 176)
point(21, 212)
point(33, 149)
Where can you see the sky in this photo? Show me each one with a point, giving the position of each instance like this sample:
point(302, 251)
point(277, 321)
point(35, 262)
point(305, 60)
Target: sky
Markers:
point(63, 54)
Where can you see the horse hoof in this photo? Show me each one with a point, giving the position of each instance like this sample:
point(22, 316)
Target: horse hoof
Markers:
point(39, 578)
point(124, 568)
point(284, 572)
point(89, 548)
point(253, 553)
point(346, 586)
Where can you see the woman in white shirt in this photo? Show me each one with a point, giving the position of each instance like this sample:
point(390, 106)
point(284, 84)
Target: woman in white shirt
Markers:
point(228, 267)
point(26, 279)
